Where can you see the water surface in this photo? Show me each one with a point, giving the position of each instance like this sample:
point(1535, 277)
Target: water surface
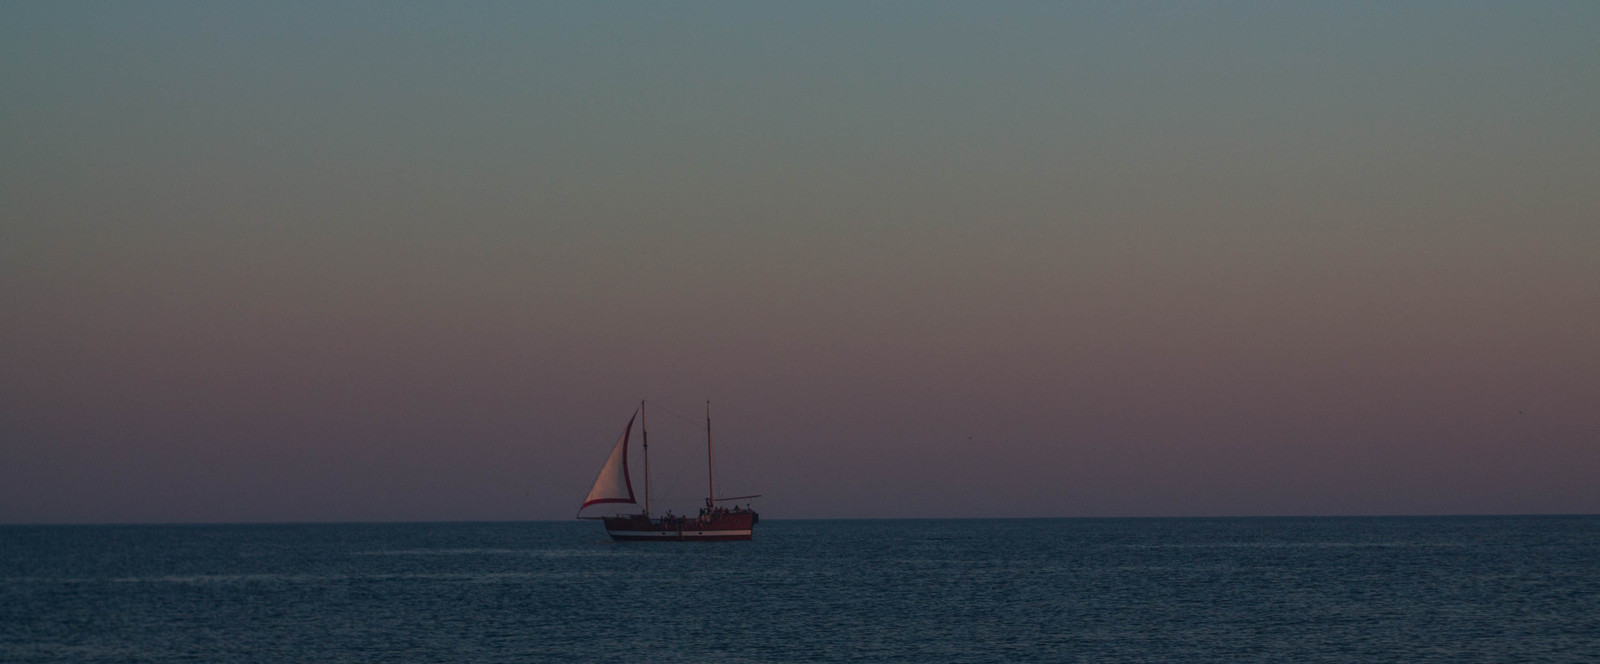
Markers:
point(1457, 589)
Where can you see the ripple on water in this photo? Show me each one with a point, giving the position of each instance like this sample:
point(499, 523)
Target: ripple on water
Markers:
point(1256, 590)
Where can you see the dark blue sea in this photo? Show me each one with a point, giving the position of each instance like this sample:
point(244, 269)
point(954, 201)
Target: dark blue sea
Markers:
point(1461, 589)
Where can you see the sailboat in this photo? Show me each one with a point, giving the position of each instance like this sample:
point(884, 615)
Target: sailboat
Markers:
point(613, 485)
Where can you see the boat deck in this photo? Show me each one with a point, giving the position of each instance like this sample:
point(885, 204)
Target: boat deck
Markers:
point(719, 526)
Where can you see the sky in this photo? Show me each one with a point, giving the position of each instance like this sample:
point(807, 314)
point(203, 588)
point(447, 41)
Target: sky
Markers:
point(407, 261)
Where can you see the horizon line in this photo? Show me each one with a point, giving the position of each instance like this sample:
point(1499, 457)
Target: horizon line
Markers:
point(897, 518)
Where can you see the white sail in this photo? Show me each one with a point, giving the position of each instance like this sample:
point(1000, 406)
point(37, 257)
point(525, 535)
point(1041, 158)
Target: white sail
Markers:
point(612, 486)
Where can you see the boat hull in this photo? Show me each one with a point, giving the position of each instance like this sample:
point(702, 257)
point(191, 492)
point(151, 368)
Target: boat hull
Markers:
point(723, 527)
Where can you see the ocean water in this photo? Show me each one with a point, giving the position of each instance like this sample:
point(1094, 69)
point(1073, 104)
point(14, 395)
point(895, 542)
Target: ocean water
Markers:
point(1466, 589)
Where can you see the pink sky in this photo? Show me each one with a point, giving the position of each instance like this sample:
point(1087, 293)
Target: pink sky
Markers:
point(273, 265)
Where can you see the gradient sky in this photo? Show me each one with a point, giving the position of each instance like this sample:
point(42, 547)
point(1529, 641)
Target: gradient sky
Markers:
point(420, 261)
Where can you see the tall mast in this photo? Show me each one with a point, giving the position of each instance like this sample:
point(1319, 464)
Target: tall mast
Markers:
point(711, 470)
point(644, 431)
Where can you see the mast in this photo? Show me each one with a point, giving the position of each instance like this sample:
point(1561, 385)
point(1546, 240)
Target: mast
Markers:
point(711, 470)
point(645, 433)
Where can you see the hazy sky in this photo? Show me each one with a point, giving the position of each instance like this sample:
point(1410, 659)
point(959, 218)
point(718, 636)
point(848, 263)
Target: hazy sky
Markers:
point(390, 261)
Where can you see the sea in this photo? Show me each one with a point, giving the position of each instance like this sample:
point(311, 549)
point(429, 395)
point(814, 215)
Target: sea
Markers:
point(1392, 589)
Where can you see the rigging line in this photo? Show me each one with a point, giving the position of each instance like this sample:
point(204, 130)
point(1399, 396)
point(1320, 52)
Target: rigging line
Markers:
point(669, 484)
point(727, 453)
point(697, 425)
point(729, 459)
